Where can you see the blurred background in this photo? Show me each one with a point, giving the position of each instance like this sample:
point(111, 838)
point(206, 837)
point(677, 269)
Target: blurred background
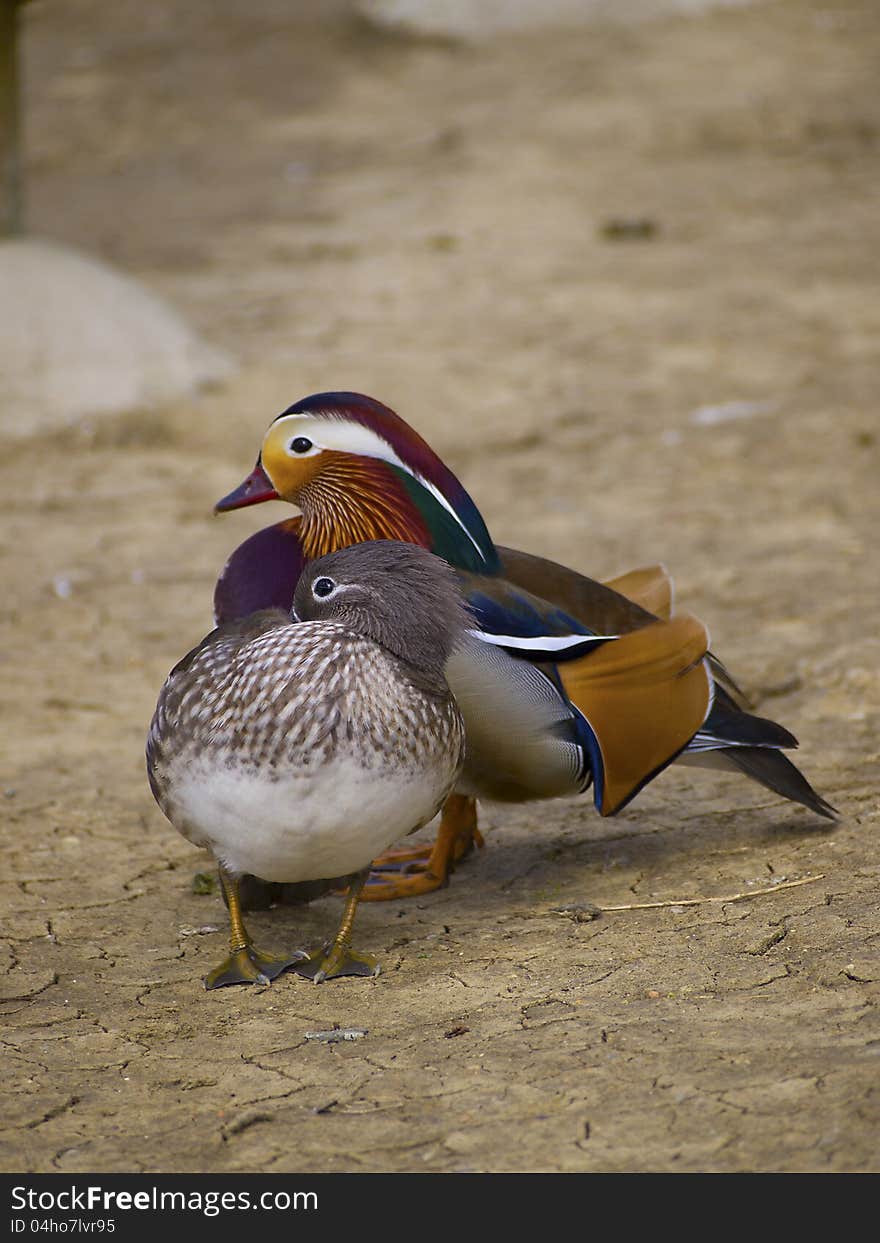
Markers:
point(601, 255)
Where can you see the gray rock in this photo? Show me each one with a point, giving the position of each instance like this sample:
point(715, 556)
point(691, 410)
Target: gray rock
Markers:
point(465, 19)
point(79, 339)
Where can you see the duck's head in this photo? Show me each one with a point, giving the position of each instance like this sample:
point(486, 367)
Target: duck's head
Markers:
point(395, 593)
point(358, 472)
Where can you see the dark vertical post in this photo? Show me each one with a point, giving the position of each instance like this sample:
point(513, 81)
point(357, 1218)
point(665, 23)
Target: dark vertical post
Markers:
point(11, 194)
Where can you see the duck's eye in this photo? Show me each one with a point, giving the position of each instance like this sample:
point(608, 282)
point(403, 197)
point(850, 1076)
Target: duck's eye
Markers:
point(300, 444)
point(323, 587)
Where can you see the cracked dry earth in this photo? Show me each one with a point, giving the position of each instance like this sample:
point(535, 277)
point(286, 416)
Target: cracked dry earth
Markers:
point(424, 221)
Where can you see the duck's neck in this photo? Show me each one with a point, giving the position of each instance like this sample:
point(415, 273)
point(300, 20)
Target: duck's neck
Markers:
point(354, 500)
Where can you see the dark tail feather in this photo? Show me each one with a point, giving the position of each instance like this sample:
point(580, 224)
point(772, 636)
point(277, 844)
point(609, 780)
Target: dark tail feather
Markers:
point(757, 755)
point(722, 677)
point(776, 771)
point(727, 722)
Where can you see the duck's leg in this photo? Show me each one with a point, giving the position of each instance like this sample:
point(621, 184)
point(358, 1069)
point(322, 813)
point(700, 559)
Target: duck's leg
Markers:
point(407, 873)
point(336, 957)
point(245, 964)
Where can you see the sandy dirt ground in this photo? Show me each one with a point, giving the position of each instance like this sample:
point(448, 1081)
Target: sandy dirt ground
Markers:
point(561, 257)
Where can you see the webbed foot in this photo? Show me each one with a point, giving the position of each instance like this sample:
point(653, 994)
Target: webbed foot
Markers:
point(333, 960)
point(336, 957)
point(407, 872)
point(417, 879)
point(248, 965)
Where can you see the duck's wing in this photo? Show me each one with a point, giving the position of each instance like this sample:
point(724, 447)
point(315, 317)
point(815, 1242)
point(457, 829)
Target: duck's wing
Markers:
point(649, 586)
point(644, 697)
point(632, 701)
point(600, 606)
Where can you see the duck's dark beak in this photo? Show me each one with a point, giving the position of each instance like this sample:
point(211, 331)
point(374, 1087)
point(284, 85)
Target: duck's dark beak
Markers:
point(256, 488)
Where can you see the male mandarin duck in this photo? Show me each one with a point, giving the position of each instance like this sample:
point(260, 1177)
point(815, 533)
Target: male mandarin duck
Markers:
point(299, 746)
point(642, 691)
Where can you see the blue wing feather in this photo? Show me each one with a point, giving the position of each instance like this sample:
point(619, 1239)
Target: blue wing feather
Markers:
point(501, 608)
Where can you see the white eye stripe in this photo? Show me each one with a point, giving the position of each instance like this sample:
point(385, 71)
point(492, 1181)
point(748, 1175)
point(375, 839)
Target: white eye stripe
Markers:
point(341, 434)
point(338, 588)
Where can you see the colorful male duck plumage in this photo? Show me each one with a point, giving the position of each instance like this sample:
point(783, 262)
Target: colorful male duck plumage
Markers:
point(299, 747)
point(641, 690)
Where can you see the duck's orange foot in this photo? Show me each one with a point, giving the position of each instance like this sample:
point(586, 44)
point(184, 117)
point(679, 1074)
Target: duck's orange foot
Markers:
point(383, 886)
point(407, 872)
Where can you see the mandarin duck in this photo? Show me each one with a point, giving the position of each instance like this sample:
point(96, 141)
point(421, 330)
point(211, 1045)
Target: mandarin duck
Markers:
point(642, 690)
point(299, 745)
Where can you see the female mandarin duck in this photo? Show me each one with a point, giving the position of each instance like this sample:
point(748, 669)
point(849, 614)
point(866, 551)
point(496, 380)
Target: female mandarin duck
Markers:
point(298, 748)
point(641, 691)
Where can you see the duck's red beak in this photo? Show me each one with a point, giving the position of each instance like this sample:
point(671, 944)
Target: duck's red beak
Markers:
point(256, 488)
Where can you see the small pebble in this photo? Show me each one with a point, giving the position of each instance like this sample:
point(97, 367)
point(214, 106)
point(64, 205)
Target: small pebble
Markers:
point(730, 411)
point(628, 228)
point(338, 1034)
point(580, 912)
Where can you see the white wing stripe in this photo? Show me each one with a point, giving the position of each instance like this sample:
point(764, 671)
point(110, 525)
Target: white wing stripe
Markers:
point(543, 643)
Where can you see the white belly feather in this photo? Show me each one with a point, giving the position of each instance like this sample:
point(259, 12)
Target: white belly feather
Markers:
point(303, 826)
